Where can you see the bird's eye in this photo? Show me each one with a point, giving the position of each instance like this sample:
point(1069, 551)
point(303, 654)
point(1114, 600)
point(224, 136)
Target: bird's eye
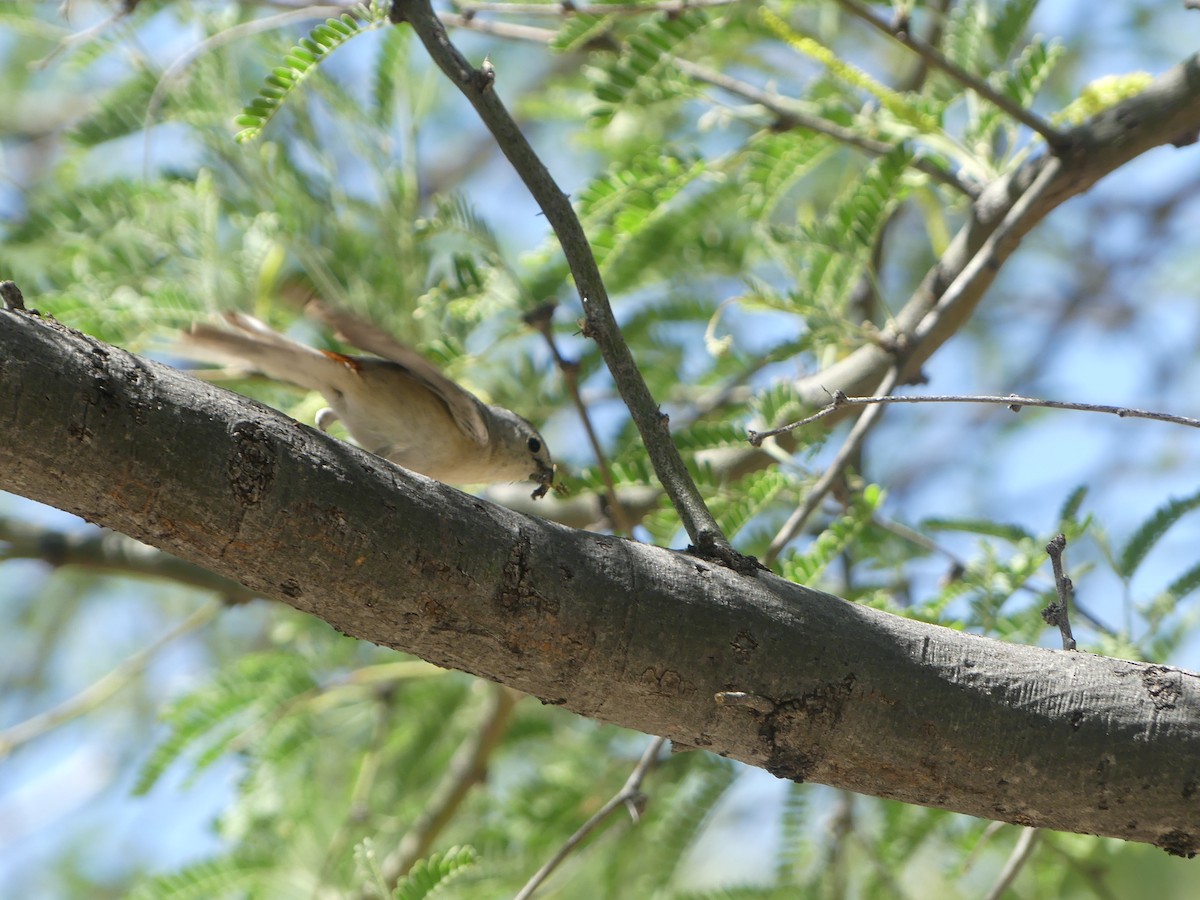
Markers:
point(535, 445)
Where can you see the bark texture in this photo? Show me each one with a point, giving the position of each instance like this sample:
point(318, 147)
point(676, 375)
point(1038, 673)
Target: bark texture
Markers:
point(801, 683)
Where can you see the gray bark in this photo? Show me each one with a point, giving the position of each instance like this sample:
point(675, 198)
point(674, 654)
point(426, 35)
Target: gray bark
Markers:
point(801, 683)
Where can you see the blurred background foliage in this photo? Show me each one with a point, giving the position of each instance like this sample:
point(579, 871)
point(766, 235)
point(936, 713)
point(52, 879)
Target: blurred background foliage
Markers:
point(165, 160)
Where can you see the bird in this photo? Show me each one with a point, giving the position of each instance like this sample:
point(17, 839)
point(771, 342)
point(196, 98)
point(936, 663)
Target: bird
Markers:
point(395, 403)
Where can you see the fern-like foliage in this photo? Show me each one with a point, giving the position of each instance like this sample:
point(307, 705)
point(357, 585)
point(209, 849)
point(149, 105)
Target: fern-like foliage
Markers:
point(1030, 70)
point(774, 163)
point(434, 872)
point(963, 42)
point(805, 567)
point(1151, 531)
point(1008, 24)
point(642, 74)
point(208, 721)
point(301, 61)
point(616, 207)
point(899, 105)
point(675, 829)
point(392, 53)
point(982, 527)
point(578, 32)
point(835, 250)
point(989, 582)
point(226, 876)
point(750, 497)
point(121, 112)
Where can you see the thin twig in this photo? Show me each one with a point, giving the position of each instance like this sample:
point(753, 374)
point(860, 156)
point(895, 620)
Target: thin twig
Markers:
point(539, 319)
point(508, 30)
point(972, 857)
point(566, 8)
point(837, 832)
point(477, 85)
point(823, 484)
point(82, 38)
point(934, 57)
point(1022, 852)
point(1013, 401)
point(959, 565)
point(100, 690)
point(988, 257)
point(1059, 612)
point(467, 768)
point(630, 795)
point(914, 81)
point(791, 114)
point(358, 809)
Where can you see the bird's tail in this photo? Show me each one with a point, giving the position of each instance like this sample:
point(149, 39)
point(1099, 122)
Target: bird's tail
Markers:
point(243, 341)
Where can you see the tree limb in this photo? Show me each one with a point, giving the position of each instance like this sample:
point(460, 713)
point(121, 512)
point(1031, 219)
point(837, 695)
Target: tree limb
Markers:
point(800, 683)
point(1167, 112)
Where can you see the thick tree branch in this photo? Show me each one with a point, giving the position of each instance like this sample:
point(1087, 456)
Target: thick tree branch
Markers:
point(798, 682)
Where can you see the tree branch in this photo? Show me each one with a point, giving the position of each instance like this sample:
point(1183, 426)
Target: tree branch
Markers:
point(1022, 852)
point(99, 691)
point(938, 60)
point(111, 553)
point(1167, 112)
point(630, 796)
point(1014, 402)
point(654, 640)
point(832, 472)
point(467, 768)
point(791, 113)
point(477, 85)
point(569, 8)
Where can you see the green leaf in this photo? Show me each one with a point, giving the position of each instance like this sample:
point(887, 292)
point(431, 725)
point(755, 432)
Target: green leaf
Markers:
point(805, 567)
point(227, 876)
point(984, 527)
point(1070, 507)
point(643, 73)
point(122, 112)
point(1008, 25)
point(774, 163)
point(633, 211)
point(749, 497)
point(436, 870)
point(1151, 530)
point(1185, 583)
point(835, 251)
point(579, 31)
point(300, 62)
point(1030, 70)
point(207, 721)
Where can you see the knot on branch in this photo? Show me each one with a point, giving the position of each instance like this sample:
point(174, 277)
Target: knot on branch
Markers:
point(252, 464)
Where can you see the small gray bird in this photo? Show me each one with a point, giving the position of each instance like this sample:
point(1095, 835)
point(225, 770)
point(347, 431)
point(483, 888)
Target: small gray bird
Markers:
point(398, 406)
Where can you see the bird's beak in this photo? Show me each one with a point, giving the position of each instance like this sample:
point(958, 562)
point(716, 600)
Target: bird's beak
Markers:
point(545, 480)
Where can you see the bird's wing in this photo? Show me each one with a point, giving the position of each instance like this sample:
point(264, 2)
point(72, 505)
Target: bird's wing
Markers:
point(465, 408)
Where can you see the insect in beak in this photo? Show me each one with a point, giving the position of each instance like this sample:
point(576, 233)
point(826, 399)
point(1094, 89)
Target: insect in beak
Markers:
point(545, 480)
